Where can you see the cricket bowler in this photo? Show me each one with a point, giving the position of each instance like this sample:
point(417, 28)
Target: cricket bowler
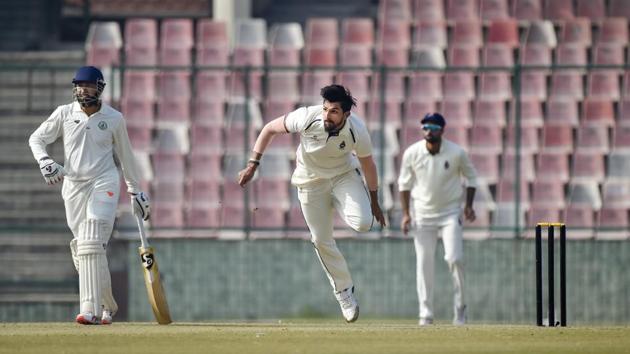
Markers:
point(92, 133)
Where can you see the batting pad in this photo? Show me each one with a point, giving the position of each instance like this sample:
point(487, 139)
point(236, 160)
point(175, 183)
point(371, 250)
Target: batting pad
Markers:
point(91, 254)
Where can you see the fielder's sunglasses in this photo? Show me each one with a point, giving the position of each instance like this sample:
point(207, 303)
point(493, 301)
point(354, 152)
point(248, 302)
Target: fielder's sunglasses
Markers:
point(431, 127)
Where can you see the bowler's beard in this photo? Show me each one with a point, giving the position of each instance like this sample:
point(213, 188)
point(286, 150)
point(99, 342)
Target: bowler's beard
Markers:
point(331, 127)
point(433, 139)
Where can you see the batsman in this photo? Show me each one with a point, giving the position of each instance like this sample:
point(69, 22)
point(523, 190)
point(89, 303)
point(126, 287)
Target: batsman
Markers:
point(92, 133)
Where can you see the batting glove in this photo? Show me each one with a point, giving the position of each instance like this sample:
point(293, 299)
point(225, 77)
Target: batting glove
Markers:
point(52, 171)
point(140, 205)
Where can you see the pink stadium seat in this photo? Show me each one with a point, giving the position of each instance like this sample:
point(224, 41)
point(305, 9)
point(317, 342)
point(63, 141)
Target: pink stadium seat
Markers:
point(552, 167)
point(428, 10)
point(457, 112)
point(621, 138)
point(495, 85)
point(529, 141)
point(613, 30)
point(284, 57)
point(413, 111)
point(626, 85)
point(463, 55)
point(169, 167)
point(203, 215)
point(211, 33)
point(357, 82)
point(409, 136)
point(459, 85)
point(531, 113)
point(588, 166)
point(392, 117)
point(534, 85)
point(566, 85)
point(527, 9)
point(616, 192)
point(176, 42)
point(467, 33)
point(571, 54)
point(103, 44)
point(425, 86)
point(457, 10)
point(535, 55)
point(598, 112)
point(580, 216)
point(174, 86)
point(233, 217)
point(296, 218)
point(353, 55)
point(312, 82)
point(167, 215)
point(235, 138)
point(592, 9)
point(576, 31)
point(458, 135)
point(527, 167)
point(613, 217)
point(392, 56)
point(208, 113)
point(493, 9)
point(210, 86)
point(543, 213)
point(322, 32)
point(167, 191)
point(608, 54)
point(548, 193)
point(248, 57)
point(283, 86)
point(562, 113)
point(273, 110)
point(173, 111)
point(394, 87)
point(490, 112)
point(139, 86)
point(507, 189)
point(269, 217)
point(314, 56)
point(357, 31)
point(285, 42)
point(603, 84)
point(497, 55)
point(486, 140)
point(593, 138)
point(137, 113)
point(237, 87)
point(559, 9)
point(504, 32)
point(204, 190)
point(394, 10)
point(430, 32)
point(140, 137)
point(619, 8)
point(624, 112)
point(487, 166)
point(557, 138)
point(213, 56)
point(206, 139)
point(141, 42)
point(272, 192)
point(234, 195)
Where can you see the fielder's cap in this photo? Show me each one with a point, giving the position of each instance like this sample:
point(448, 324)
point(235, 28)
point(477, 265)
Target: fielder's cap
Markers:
point(434, 118)
point(88, 74)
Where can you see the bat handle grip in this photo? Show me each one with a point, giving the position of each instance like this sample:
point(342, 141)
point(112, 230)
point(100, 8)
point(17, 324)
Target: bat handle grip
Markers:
point(143, 236)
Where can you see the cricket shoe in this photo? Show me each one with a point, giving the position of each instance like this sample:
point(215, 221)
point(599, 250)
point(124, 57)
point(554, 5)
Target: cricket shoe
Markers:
point(106, 318)
point(349, 305)
point(87, 318)
point(460, 316)
point(425, 321)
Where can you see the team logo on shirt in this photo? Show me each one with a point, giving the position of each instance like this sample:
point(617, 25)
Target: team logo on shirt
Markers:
point(342, 145)
point(102, 125)
point(446, 165)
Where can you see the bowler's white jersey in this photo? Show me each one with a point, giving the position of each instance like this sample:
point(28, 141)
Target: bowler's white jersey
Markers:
point(435, 181)
point(321, 155)
point(89, 143)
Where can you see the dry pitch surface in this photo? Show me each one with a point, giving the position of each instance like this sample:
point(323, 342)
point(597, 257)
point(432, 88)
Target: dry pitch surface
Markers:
point(307, 336)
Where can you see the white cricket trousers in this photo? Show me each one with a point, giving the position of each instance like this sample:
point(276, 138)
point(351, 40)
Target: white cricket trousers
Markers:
point(427, 231)
point(348, 195)
point(90, 213)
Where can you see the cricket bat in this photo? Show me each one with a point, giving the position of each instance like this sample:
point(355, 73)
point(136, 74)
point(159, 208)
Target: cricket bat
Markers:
point(152, 280)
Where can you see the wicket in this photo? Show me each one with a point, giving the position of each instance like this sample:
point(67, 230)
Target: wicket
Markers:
point(550, 273)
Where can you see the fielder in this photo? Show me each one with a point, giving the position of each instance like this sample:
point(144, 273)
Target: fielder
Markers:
point(431, 172)
point(92, 133)
point(334, 155)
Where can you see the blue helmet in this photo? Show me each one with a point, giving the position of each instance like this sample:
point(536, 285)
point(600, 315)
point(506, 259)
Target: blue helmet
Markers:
point(92, 75)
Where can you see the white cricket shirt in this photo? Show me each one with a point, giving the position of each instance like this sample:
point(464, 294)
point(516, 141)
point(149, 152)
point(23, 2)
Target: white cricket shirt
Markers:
point(89, 143)
point(435, 181)
point(320, 154)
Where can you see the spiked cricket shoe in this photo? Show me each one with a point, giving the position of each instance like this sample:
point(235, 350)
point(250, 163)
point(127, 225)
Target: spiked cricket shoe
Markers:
point(349, 305)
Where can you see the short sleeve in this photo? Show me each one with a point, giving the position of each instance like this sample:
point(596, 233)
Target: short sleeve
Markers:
point(298, 120)
point(406, 178)
point(363, 147)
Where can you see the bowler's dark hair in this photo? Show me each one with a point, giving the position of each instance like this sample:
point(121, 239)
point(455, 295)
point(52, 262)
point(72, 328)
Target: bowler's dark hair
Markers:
point(338, 93)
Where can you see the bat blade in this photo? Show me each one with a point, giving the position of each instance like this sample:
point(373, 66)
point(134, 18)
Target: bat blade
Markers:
point(155, 291)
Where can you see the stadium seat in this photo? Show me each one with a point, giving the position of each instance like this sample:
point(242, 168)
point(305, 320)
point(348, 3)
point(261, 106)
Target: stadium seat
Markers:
point(176, 42)
point(428, 10)
point(354, 55)
point(357, 32)
point(458, 135)
point(535, 55)
point(619, 8)
point(457, 10)
point(206, 139)
point(210, 86)
point(593, 138)
point(487, 166)
point(394, 90)
point(552, 167)
point(413, 111)
point(139, 86)
point(463, 55)
point(621, 138)
point(204, 165)
point(399, 10)
point(250, 33)
point(167, 215)
point(428, 57)
point(268, 217)
point(285, 43)
point(234, 217)
point(623, 118)
point(592, 9)
point(430, 32)
point(166, 191)
point(541, 33)
point(505, 219)
point(141, 42)
point(486, 140)
point(272, 192)
point(392, 114)
point(493, 9)
point(562, 113)
point(618, 166)
point(615, 218)
point(529, 141)
point(626, 85)
point(490, 112)
point(608, 54)
point(533, 85)
point(208, 113)
point(172, 140)
point(581, 218)
point(576, 31)
point(588, 166)
point(240, 114)
point(557, 138)
point(497, 55)
point(527, 171)
point(234, 195)
point(283, 86)
point(573, 54)
point(459, 85)
point(585, 191)
point(457, 112)
point(240, 91)
point(527, 10)
point(211, 33)
point(322, 32)
point(603, 84)
point(495, 85)
point(613, 30)
point(559, 10)
point(392, 56)
point(140, 137)
point(174, 86)
point(312, 82)
point(467, 33)
point(103, 43)
point(531, 113)
point(172, 112)
point(503, 31)
point(235, 138)
point(566, 85)
point(542, 213)
point(598, 112)
point(204, 190)
point(548, 193)
point(138, 113)
point(275, 165)
point(203, 215)
point(357, 82)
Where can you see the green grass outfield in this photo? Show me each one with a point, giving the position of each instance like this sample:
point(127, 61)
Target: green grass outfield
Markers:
point(302, 336)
